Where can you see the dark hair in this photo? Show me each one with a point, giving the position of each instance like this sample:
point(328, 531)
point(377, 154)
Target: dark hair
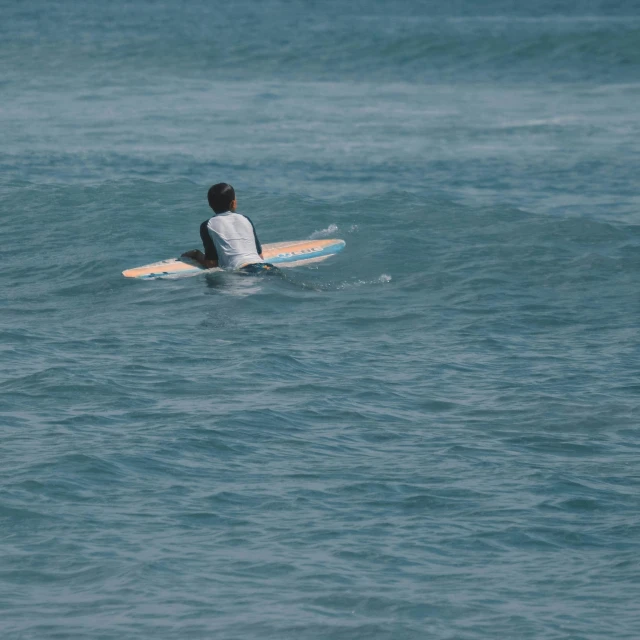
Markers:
point(220, 196)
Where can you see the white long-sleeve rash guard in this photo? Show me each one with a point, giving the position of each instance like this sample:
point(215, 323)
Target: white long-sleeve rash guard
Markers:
point(231, 239)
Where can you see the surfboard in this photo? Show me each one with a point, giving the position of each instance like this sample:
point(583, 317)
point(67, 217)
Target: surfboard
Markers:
point(294, 253)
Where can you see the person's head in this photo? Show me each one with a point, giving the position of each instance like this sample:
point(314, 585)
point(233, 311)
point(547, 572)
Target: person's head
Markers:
point(222, 197)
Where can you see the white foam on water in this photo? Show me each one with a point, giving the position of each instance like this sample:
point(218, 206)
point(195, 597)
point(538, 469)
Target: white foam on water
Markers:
point(324, 233)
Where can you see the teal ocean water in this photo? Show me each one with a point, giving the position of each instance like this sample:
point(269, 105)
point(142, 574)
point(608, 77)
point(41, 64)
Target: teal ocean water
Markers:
point(432, 435)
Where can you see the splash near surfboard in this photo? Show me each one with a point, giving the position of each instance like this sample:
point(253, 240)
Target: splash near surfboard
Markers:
point(294, 253)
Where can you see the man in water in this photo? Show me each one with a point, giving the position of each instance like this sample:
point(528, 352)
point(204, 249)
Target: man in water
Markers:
point(229, 238)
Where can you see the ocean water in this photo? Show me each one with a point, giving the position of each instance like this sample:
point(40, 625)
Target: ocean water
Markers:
point(434, 434)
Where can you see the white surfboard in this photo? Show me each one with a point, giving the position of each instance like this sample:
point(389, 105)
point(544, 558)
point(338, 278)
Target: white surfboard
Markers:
point(294, 253)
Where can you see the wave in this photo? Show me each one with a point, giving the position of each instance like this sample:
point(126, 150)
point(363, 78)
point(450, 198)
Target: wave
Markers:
point(324, 233)
point(306, 41)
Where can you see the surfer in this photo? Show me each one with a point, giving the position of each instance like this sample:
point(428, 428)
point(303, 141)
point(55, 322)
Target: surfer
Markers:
point(229, 238)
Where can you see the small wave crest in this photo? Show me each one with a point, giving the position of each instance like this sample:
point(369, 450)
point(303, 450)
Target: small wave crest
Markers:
point(324, 233)
point(350, 284)
point(331, 230)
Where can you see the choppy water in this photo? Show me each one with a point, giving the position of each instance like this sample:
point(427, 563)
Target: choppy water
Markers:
point(433, 435)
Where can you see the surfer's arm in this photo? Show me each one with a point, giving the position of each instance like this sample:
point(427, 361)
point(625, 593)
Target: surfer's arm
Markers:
point(198, 256)
point(255, 237)
point(210, 252)
point(208, 259)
